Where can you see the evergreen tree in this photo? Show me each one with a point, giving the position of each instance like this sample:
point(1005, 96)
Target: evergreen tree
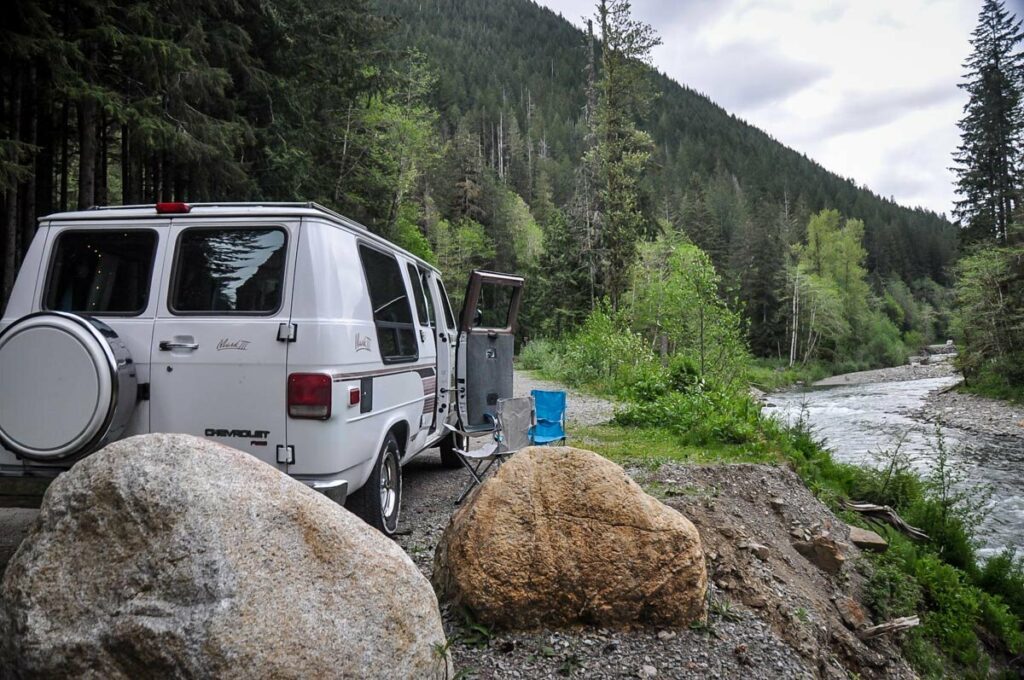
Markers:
point(624, 95)
point(988, 160)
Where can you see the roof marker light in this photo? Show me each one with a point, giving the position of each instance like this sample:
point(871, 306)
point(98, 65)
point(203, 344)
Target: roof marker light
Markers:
point(171, 208)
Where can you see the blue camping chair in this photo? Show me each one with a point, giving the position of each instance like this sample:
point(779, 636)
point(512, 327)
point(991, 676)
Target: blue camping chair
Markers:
point(550, 425)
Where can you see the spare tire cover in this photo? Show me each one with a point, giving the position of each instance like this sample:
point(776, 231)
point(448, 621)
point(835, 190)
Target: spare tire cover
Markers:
point(67, 386)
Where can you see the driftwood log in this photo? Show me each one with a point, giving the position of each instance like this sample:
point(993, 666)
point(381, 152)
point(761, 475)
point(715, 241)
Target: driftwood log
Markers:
point(884, 513)
point(893, 626)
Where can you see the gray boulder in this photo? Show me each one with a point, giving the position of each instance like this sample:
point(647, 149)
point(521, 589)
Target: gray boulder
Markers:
point(171, 556)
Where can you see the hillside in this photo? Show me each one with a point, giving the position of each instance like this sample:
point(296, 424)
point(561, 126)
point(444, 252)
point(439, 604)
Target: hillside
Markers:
point(514, 58)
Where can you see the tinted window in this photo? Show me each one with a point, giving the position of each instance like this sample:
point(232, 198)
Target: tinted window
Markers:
point(417, 292)
point(229, 271)
point(101, 272)
point(425, 285)
point(495, 304)
point(448, 316)
point(389, 299)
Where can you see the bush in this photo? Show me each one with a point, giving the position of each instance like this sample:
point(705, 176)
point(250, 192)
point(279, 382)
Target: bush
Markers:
point(605, 354)
point(701, 416)
point(537, 355)
point(1003, 575)
point(891, 592)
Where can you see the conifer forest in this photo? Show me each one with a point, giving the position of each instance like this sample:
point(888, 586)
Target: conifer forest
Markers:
point(498, 135)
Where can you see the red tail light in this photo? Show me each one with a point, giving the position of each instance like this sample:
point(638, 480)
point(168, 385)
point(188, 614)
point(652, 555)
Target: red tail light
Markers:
point(309, 395)
point(172, 208)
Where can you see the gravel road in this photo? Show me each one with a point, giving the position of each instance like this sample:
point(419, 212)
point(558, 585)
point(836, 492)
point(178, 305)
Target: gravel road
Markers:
point(581, 408)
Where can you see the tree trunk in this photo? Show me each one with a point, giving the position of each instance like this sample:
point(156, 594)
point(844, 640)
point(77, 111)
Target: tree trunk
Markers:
point(100, 195)
point(65, 132)
point(27, 208)
point(796, 319)
point(86, 153)
point(10, 229)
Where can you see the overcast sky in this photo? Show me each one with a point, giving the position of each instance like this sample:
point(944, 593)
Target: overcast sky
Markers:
point(865, 87)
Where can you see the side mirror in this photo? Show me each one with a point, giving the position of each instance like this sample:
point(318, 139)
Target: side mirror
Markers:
point(478, 317)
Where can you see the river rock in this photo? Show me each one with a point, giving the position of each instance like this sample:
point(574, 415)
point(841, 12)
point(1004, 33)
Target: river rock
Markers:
point(172, 556)
point(823, 552)
point(865, 539)
point(562, 536)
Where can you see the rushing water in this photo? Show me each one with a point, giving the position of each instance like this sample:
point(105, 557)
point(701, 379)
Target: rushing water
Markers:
point(858, 422)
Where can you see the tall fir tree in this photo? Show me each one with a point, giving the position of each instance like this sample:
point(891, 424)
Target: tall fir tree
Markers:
point(988, 160)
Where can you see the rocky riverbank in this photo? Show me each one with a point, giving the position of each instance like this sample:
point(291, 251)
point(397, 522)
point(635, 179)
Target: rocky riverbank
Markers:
point(975, 414)
point(938, 367)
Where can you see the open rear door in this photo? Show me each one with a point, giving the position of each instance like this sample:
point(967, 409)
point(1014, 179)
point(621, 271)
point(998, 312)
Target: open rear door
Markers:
point(483, 364)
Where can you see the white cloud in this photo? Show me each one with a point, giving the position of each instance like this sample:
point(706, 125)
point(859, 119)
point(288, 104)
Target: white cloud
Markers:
point(865, 87)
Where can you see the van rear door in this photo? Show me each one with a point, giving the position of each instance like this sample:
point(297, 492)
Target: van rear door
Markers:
point(220, 346)
point(486, 346)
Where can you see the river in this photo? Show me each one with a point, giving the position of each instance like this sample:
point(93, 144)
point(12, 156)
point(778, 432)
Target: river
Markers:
point(859, 421)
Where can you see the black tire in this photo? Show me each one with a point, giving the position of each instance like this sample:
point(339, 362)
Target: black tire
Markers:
point(449, 459)
point(379, 501)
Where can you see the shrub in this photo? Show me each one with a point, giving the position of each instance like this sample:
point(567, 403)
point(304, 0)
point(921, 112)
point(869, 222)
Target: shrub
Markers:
point(1003, 575)
point(890, 592)
point(605, 354)
point(702, 416)
point(537, 355)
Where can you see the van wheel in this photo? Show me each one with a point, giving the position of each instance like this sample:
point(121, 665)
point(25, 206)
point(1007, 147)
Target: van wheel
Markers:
point(450, 459)
point(380, 500)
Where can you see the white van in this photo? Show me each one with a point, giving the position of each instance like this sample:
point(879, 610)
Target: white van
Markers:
point(284, 330)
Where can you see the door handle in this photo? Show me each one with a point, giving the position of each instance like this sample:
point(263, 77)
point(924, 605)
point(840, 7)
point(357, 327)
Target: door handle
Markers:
point(168, 345)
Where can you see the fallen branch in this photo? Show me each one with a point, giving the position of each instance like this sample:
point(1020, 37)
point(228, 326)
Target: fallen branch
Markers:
point(893, 626)
point(883, 513)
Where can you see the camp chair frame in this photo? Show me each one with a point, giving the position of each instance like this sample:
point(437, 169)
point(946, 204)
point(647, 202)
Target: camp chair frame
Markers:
point(513, 419)
point(543, 411)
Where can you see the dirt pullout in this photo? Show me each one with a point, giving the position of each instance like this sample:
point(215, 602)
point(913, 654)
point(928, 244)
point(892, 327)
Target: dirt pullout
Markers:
point(940, 367)
point(581, 408)
point(749, 518)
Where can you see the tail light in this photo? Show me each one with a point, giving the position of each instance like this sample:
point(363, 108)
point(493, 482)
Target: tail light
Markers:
point(309, 395)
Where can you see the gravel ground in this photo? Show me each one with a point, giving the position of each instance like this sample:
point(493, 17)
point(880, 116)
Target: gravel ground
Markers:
point(939, 367)
point(581, 409)
point(972, 413)
point(734, 643)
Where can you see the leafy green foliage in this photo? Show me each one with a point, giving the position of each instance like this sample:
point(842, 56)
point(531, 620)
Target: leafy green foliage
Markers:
point(990, 319)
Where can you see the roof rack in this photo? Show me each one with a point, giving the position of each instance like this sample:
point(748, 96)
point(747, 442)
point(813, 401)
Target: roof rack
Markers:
point(230, 204)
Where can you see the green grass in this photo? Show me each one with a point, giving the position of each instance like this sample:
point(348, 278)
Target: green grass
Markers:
point(994, 387)
point(774, 374)
point(651, 446)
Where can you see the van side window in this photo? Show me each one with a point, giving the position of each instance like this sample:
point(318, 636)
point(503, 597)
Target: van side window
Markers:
point(228, 271)
point(417, 292)
point(425, 285)
point(448, 316)
point(101, 272)
point(389, 299)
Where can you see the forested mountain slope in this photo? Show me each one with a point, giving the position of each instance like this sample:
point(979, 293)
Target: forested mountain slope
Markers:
point(514, 63)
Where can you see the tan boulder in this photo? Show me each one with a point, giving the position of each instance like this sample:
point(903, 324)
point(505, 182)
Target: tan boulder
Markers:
point(561, 536)
point(169, 556)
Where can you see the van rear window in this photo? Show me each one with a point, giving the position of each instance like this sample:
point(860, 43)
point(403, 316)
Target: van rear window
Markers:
point(101, 272)
point(228, 271)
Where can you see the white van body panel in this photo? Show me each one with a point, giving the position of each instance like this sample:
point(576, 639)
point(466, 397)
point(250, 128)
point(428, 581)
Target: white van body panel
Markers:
point(235, 381)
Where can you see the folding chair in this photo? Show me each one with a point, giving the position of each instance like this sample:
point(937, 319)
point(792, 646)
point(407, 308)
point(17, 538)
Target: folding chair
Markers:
point(550, 425)
point(513, 419)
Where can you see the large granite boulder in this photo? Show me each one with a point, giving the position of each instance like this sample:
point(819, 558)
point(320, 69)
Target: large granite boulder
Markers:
point(560, 536)
point(169, 556)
